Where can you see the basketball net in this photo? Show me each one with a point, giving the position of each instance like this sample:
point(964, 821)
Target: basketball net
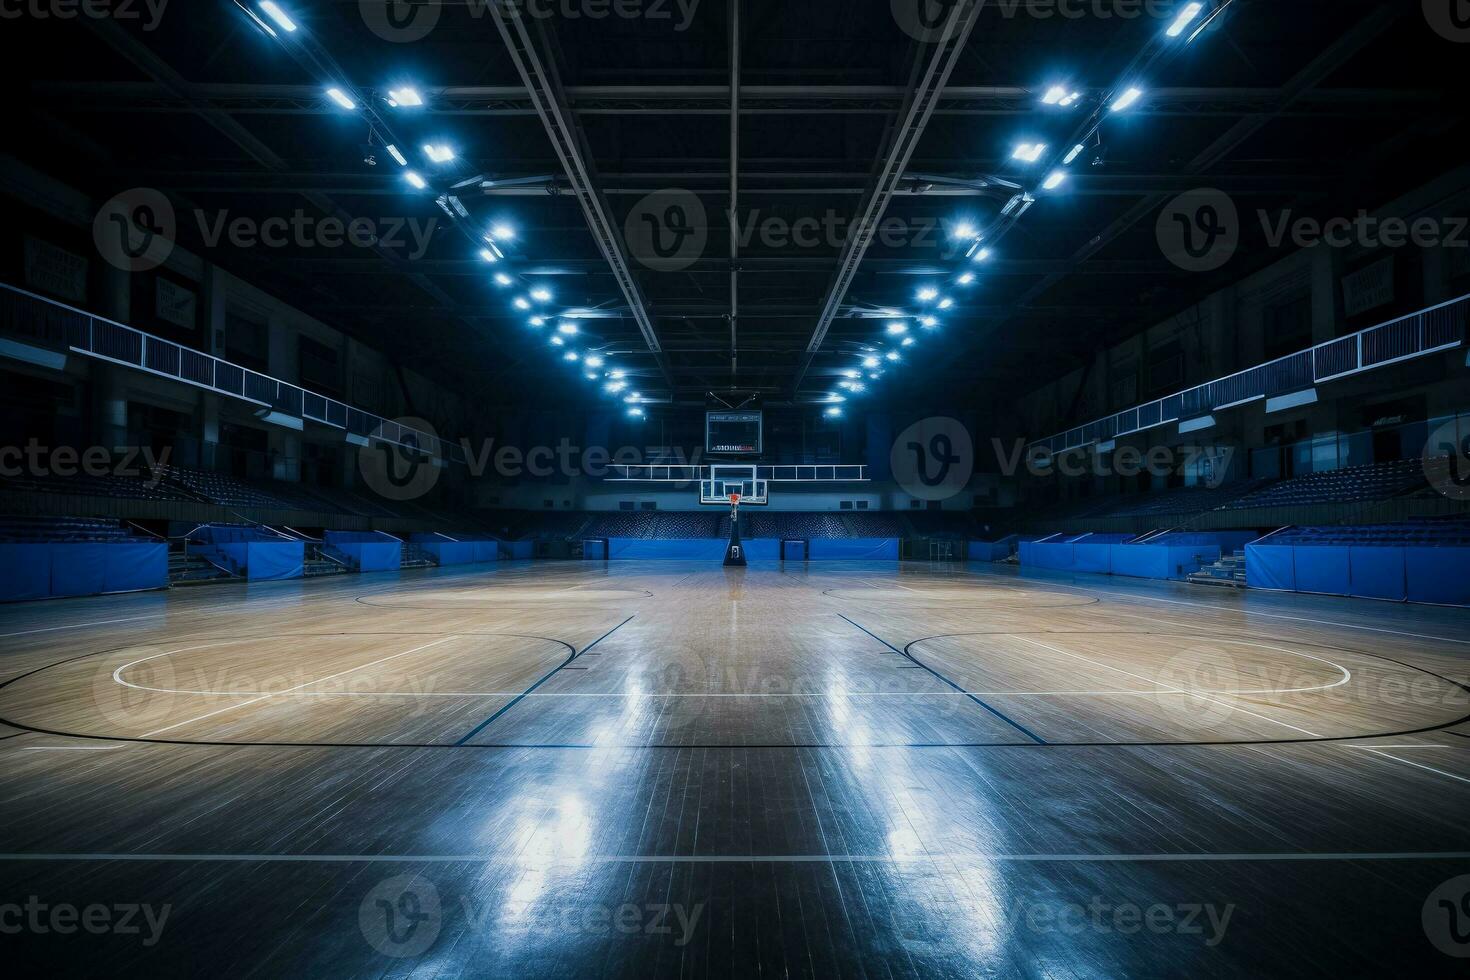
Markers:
point(734, 504)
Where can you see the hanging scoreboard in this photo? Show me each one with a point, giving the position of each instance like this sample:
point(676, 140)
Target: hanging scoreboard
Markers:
point(732, 432)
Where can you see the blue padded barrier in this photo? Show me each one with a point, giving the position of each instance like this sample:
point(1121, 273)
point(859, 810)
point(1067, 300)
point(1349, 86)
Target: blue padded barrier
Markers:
point(1439, 575)
point(78, 569)
point(793, 550)
point(1092, 558)
point(853, 549)
point(1270, 566)
point(486, 551)
point(25, 571)
point(450, 552)
point(1377, 573)
point(666, 549)
point(275, 561)
point(761, 549)
point(519, 549)
point(367, 551)
point(595, 549)
point(1323, 570)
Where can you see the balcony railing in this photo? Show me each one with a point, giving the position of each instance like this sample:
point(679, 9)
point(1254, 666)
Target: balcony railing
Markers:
point(1435, 329)
point(56, 326)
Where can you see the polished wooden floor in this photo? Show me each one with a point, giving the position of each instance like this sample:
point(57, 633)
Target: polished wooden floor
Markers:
point(672, 769)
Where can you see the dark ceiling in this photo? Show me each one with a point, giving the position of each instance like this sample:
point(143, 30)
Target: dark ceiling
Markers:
point(1312, 104)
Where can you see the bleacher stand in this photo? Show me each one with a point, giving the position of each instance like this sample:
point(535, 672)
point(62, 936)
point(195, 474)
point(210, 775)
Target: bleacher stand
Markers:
point(1356, 484)
point(793, 526)
point(85, 485)
point(63, 530)
point(872, 525)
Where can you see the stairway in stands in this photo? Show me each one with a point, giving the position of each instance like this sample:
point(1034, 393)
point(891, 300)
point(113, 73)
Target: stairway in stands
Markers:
point(416, 557)
point(191, 569)
point(1228, 571)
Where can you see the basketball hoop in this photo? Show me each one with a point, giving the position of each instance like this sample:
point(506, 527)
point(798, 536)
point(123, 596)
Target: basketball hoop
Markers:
point(734, 500)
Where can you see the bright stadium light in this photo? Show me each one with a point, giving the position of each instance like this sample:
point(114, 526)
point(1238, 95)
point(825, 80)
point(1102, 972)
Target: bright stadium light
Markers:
point(488, 255)
point(908, 341)
point(849, 374)
point(397, 154)
point(591, 375)
point(594, 361)
point(275, 13)
point(1185, 18)
point(1076, 152)
point(927, 294)
point(408, 96)
point(567, 328)
point(616, 387)
point(1127, 99)
point(636, 412)
point(501, 279)
point(541, 294)
point(964, 230)
point(340, 97)
point(415, 180)
point(538, 321)
point(870, 362)
point(946, 303)
point(966, 278)
point(897, 328)
point(521, 303)
point(982, 255)
point(929, 322)
point(833, 412)
point(892, 355)
point(438, 153)
point(1054, 180)
point(619, 374)
point(1028, 152)
point(503, 232)
point(558, 342)
point(571, 355)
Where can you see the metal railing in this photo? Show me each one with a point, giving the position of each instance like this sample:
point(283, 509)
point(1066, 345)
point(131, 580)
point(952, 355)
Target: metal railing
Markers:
point(1430, 330)
point(660, 473)
point(58, 326)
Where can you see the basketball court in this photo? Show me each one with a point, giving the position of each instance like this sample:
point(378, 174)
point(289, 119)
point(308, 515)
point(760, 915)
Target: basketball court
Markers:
point(793, 749)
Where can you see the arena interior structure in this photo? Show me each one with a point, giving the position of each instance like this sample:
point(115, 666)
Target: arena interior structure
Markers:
point(735, 488)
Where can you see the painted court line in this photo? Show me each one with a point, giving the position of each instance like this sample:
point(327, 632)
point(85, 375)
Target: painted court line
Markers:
point(319, 680)
point(584, 859)
point(1439, 772)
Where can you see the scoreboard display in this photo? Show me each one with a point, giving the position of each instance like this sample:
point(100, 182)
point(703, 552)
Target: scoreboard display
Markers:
point(732, 432)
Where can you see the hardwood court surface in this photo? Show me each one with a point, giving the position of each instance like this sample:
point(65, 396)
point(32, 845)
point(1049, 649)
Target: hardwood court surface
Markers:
point(675, 769)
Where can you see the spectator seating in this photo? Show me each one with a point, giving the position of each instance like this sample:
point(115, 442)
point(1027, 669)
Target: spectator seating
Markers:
point(1356, 484)
point(64, 529)
point(82, 485)
point(875, 525)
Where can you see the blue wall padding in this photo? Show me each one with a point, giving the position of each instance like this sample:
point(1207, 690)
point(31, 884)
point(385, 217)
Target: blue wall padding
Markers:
point(367, 551)
point(1270, 566)
point(990, 550)
point(1418, 574)
point(793, 551)
point(854, 549)
point(1142, 561)
point(450, 552)
point(521, 549)
point(1438, 575)
point(1324, 570)
point(761, 549)
point(1137, 560)
point(274, 561)
point(39, 571)
point(702, 549)
point(1377, 573)
point(25, 571)
point(594, 549)
point(1092, 558)
point(487, 551)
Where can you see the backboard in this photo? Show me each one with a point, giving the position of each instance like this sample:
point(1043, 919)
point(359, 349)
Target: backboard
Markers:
point(727, 478)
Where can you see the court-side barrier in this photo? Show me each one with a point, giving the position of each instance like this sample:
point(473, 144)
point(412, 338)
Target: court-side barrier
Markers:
point(756, 549)
point(1168, 561)
point(1401, 574)
point(250, 552)
point(42, 571)
point(514, 550)
point(447, 551)
point(366, 551)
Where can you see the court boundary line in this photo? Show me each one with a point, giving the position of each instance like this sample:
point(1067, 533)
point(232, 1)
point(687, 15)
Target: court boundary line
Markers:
point(546, 677)
point(1186, 857)
point(919, 663)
